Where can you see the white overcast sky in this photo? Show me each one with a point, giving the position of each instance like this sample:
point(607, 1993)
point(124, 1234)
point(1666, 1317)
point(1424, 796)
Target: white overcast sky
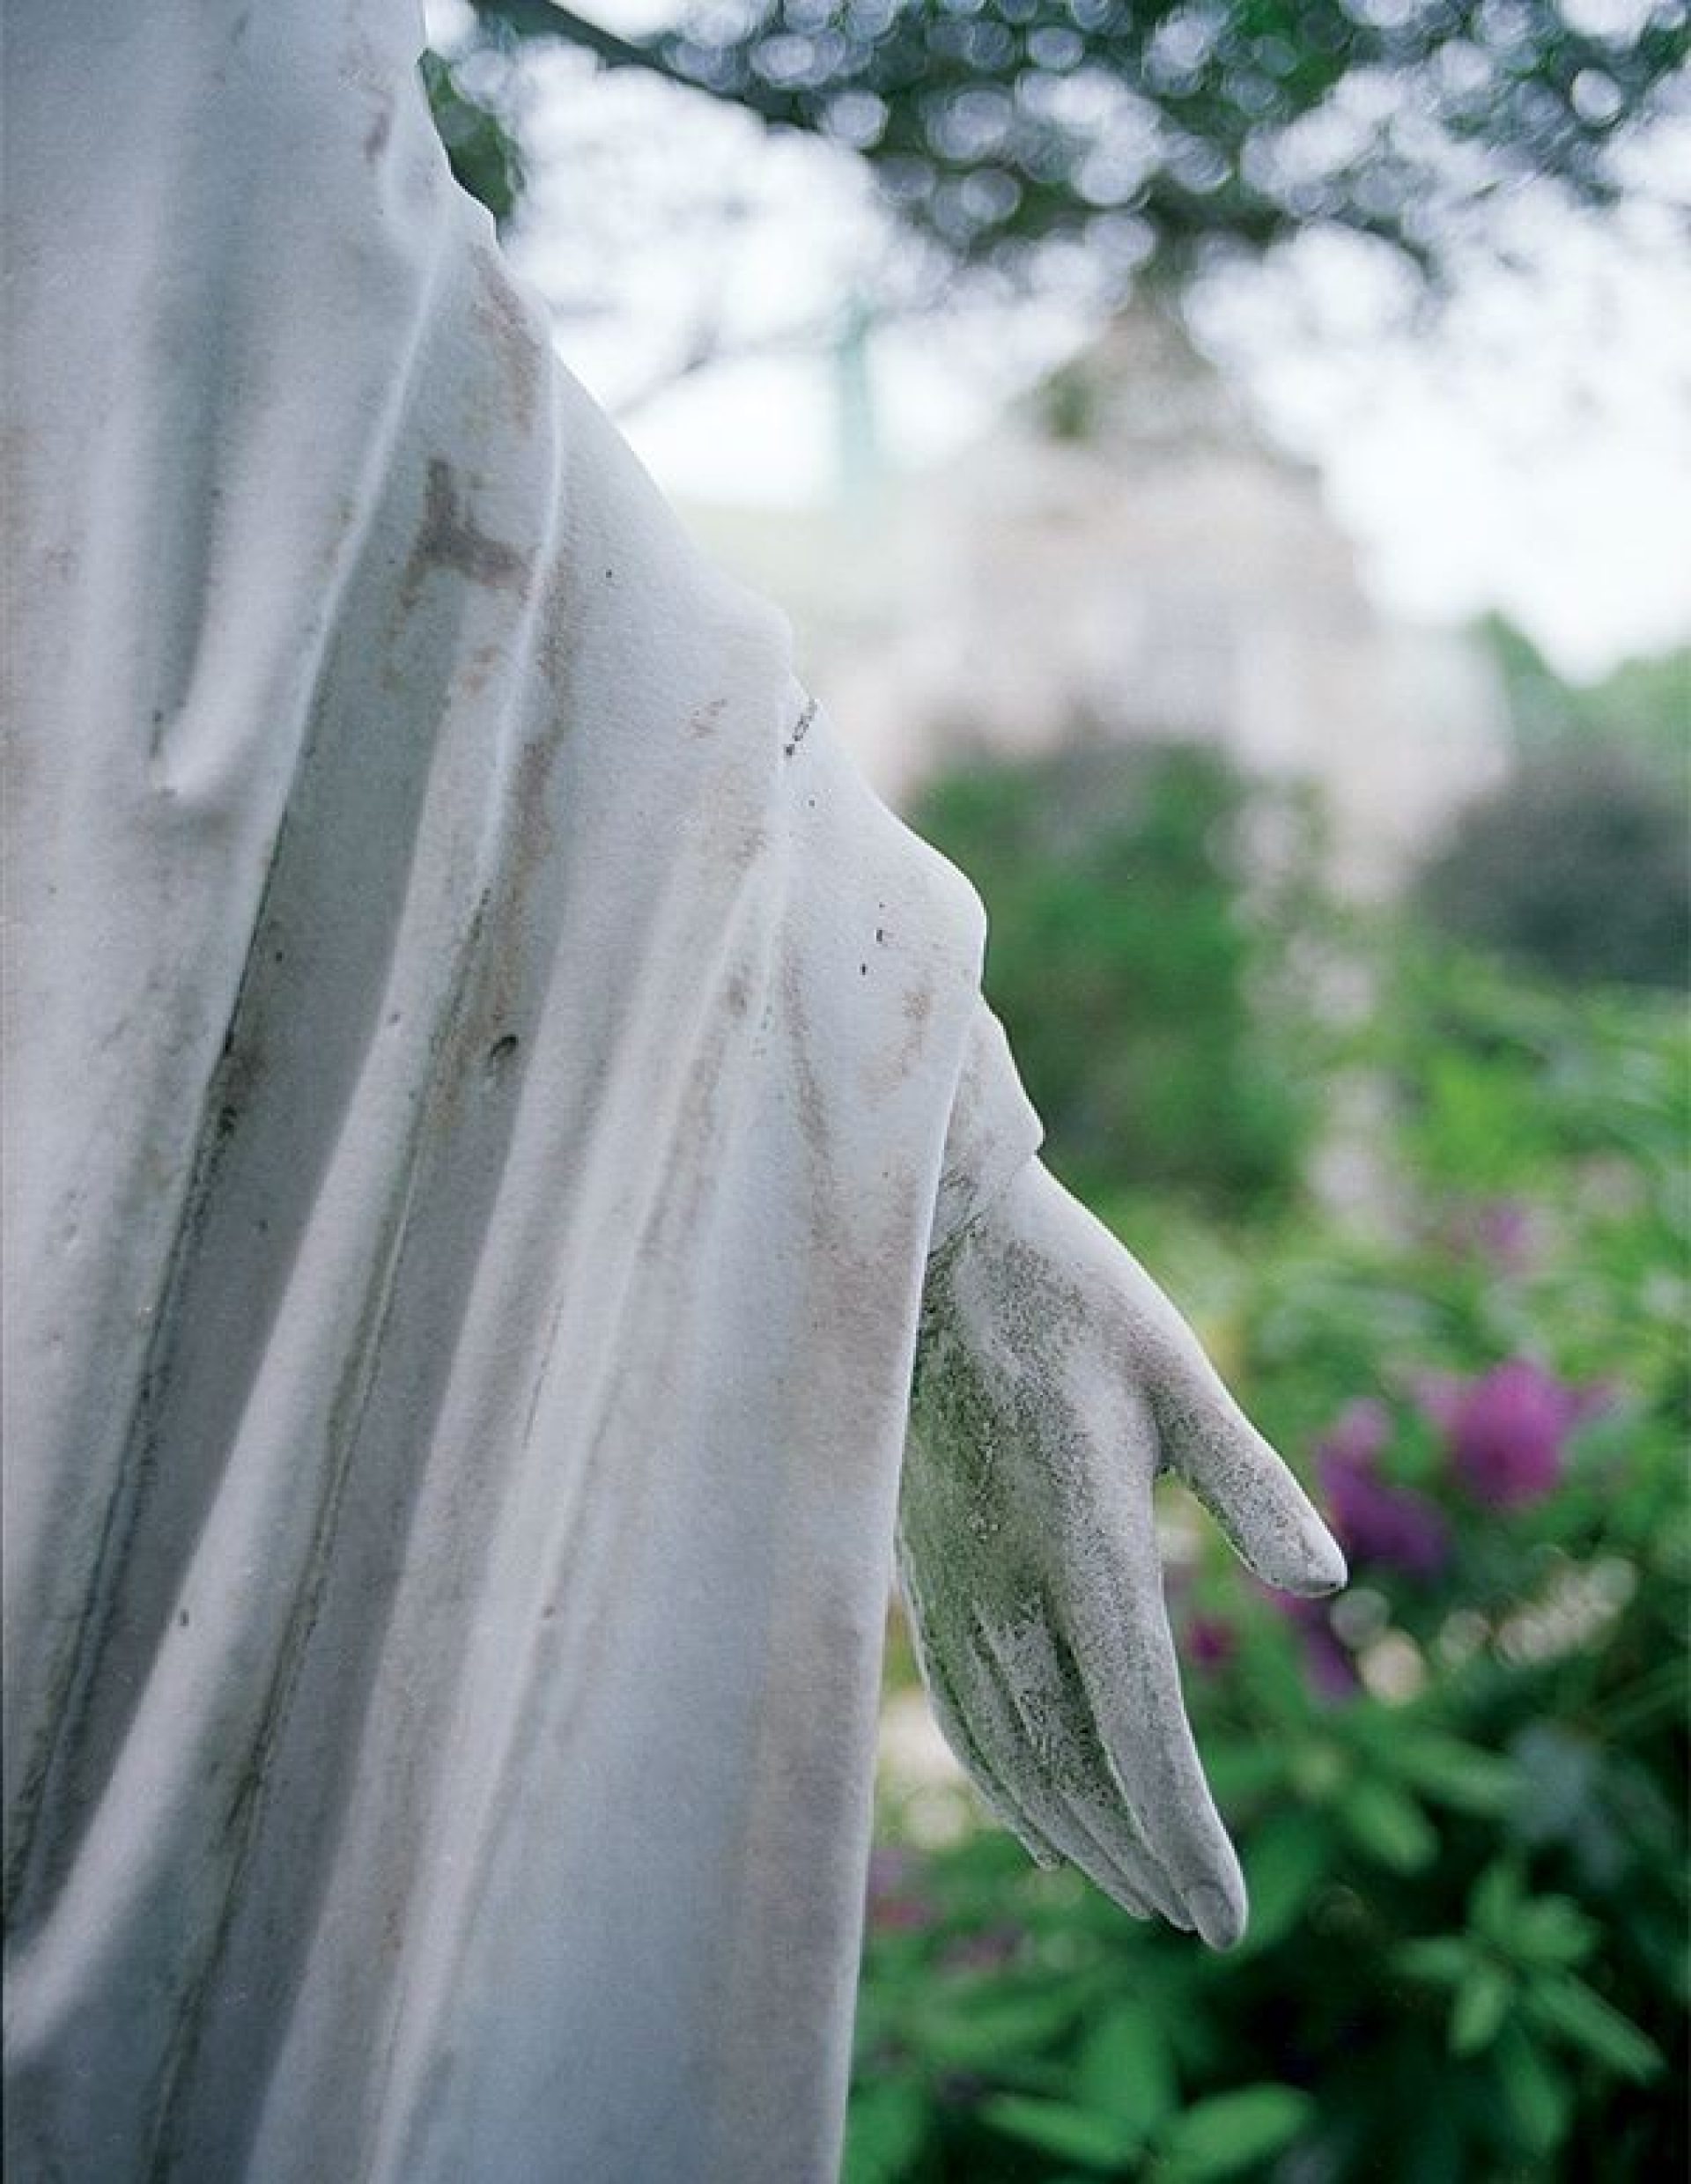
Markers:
point(1530, 453)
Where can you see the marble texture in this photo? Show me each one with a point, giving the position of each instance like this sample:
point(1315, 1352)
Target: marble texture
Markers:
point(487, 1087)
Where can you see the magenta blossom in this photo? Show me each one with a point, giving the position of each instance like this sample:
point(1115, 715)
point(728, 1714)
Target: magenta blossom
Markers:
point(1327, 1664)
point(1359, 1436)
point(1506, 1233)
point(1376, 1522)
point(1503, 1234)
point(1211, 1642)
point(1506, 1430)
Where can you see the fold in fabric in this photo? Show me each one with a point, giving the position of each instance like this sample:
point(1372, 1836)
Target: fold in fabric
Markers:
point(480, 1089)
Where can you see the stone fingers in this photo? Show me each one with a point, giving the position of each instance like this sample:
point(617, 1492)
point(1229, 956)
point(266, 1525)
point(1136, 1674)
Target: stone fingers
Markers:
point(1130, 1332)
point(959, 1723)
point(1268, 1518)
point(1065, 1776)
point(1125, 1653)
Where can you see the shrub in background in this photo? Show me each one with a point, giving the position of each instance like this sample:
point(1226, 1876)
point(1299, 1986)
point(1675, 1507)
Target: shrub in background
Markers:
point(1127, 937)
point(1577, 867)
point(1459, 1786)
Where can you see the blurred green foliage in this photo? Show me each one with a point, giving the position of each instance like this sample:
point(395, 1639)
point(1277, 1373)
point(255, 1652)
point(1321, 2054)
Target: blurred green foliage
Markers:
point(481, 144)
point(1126, 943)
point(1458, 1789)
point(1575, 864)
point(1642, 707)
point(1149, 130)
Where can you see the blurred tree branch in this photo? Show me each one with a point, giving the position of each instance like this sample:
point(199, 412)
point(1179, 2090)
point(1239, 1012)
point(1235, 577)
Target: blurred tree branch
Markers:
point(1158, 130)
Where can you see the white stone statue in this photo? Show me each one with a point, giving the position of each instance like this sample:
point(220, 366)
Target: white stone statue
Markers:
point(489, 1097)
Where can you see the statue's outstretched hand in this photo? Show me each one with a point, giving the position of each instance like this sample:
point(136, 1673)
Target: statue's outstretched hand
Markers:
point(1053, 1381)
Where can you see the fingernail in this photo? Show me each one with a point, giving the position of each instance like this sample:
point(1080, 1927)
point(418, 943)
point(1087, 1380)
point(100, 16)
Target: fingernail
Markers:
point(1325, 1567)
point(1219, 1920)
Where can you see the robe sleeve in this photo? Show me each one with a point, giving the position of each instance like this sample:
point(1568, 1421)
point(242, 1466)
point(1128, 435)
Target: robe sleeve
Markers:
point(992, 1132)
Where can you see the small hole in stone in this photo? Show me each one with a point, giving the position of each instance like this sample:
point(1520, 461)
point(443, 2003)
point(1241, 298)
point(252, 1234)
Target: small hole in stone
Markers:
point(501, 1054)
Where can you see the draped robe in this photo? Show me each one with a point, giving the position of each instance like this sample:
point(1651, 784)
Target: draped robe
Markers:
point(483, 1078)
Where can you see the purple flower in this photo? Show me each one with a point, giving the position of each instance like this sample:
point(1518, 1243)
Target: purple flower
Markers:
point(1358, 1436)
point(1328, 1665)
point(1376, 1522)
point(1503, 1234)
point(1211, 1642)
point(1332, 1673)
point(1506, 1430)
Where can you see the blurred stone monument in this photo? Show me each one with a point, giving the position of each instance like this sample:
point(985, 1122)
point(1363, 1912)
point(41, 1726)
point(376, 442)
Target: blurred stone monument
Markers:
point(1125, 557)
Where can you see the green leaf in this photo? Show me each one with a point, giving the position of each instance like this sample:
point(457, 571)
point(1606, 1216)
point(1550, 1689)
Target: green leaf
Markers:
point(1560, 1778)
point(1390, 1827)
point(1553, 1930)
point(1285, 1862)
point(980, 2028)
point(1481, 2006)
point(886, 2132)
point(1126, 2070)
point(485, 157)
point(1535, 2093)
point(1317, 1770)
point(1566, 2006)
point(1441, 1959)
point(1233, 2132)
point(1455, 1773)
point(1096, 2142)
point(1240, 1773)
point(1495, 1906)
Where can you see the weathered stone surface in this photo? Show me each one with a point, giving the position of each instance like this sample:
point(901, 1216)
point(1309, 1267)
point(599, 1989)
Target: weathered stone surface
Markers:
point(479, 1084)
